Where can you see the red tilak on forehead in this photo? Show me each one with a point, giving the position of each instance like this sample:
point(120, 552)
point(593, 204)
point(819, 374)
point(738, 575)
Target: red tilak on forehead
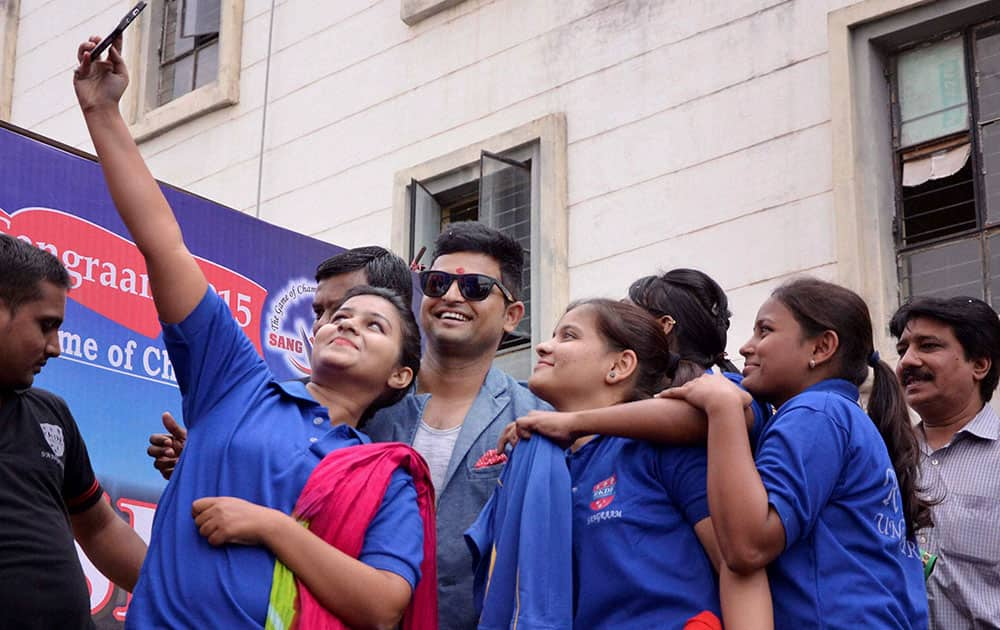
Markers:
point(460, 269)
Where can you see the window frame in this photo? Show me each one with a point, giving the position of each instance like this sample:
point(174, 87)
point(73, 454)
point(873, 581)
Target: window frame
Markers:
point(982, 231)
point(147, 120)
point(544, 142)
point(862, 38)
point(455, 184)
point(10, 18)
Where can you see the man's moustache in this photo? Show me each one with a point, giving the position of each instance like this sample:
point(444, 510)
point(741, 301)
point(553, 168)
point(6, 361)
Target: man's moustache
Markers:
point(915, 374)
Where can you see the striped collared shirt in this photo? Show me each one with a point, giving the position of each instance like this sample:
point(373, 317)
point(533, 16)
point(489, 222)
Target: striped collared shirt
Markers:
point(964, 588)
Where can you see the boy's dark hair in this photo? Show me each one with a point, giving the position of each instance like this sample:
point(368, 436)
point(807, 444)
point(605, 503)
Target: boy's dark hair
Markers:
point(700, 309)
point(22, 269)
point(472, 236)
point(409, 349)
point(382, 269)
point(974, 322)
point(819, 306)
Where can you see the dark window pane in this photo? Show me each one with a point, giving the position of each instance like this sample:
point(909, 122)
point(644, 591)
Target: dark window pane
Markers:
point(176, 79)
point(945, 270)
point(207, 68)
point(989, 146)
point(993, 245)
point(939, 207)
point(201, 17)
point(173, 45)
point(505, 204)
point(425, 222)
point(988, 72)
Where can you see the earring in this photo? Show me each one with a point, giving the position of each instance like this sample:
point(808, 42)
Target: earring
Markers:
point(611, 374)
point(812, 363)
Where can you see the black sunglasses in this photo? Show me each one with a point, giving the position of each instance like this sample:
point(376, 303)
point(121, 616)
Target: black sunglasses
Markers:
point(472, 286)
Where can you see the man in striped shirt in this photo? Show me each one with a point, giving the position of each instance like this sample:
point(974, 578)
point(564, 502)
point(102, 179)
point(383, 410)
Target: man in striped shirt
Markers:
point(949, 349)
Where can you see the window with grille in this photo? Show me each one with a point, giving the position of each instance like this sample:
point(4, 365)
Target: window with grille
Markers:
point(498, 192)
point(189, 47)
point(946, 135)
point(187, 57)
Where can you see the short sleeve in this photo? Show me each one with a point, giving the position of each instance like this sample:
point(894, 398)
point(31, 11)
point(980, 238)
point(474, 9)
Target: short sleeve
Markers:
point(210, 354)
point(761, 411)
point(81, 489)
point(395, 538)
point(684, 472)
point(799, 459)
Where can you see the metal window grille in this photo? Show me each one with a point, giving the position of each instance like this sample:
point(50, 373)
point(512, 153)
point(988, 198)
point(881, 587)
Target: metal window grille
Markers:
point(946, 132)
point(189, 47)
point(500, 198)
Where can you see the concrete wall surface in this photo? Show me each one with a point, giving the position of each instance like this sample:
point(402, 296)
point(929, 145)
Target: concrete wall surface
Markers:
point(697, 133)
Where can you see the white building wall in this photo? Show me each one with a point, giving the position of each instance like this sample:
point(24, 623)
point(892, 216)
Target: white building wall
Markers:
point(698, 132)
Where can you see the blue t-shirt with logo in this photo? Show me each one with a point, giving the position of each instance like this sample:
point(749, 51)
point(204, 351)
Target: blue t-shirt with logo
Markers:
point(848, 561)
point(256, 439)
point(638, 562)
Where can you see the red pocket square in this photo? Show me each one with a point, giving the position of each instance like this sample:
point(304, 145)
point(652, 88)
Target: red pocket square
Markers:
point(490, 458)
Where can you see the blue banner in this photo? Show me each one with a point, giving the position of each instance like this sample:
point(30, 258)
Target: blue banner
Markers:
point(114, 372)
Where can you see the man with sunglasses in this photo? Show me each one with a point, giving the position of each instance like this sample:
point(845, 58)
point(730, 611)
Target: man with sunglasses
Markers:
point(461, 403)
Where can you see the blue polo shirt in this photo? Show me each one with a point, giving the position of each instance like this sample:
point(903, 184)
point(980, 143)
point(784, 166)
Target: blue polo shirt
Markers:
point(761, 411)
point(256, 439)
point(638, 562)
point(848, 562)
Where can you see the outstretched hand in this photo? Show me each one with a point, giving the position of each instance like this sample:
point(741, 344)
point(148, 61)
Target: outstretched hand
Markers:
point(99, 83)
point(560, 427)
point(165, 448)
point(708, 390)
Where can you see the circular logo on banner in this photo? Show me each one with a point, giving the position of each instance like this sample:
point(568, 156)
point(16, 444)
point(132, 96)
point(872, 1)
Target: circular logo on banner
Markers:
point(288, 324)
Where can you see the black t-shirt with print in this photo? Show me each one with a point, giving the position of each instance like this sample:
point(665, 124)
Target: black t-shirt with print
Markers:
point(45, 475)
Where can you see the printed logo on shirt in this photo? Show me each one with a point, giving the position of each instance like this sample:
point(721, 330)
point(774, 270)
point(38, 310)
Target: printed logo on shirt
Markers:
point(604, 493)
point(890, 522)
point(54, 436)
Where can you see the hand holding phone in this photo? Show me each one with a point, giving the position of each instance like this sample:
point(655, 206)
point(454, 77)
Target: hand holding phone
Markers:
point(115, 34)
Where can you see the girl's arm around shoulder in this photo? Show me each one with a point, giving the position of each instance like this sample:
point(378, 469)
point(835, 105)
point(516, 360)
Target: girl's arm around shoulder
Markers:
point(661, 420)
point(750, 534)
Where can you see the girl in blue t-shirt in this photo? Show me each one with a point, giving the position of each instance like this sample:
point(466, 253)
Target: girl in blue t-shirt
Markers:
point(830, 504)
point(642, 540)
point(224, 518)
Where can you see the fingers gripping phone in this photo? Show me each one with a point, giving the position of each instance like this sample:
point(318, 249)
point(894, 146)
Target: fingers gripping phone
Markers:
point(115, 34)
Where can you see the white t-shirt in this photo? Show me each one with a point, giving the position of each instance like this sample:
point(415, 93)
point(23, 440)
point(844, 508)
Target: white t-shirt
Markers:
point(436, 446)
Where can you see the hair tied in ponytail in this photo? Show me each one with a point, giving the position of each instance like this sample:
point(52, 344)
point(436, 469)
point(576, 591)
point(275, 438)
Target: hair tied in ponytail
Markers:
point(874, 358)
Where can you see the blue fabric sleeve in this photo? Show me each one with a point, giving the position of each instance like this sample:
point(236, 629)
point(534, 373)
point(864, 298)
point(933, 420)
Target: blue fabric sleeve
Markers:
point(761, 411)
point(479, 537)
point(209, 354)
point(531, 577)
point(799, 460)
point(395, 538)
point(684, 473)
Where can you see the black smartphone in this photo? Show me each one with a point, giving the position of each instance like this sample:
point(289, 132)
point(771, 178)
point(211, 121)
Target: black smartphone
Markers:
point(107, 41)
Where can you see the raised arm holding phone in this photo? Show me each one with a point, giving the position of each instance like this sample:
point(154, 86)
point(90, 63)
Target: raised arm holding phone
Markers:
point(253, 442)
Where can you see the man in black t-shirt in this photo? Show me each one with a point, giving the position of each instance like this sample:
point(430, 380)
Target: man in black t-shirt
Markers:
point(49, 495)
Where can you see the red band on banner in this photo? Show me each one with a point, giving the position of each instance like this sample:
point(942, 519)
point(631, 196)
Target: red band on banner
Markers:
point(109, 274)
